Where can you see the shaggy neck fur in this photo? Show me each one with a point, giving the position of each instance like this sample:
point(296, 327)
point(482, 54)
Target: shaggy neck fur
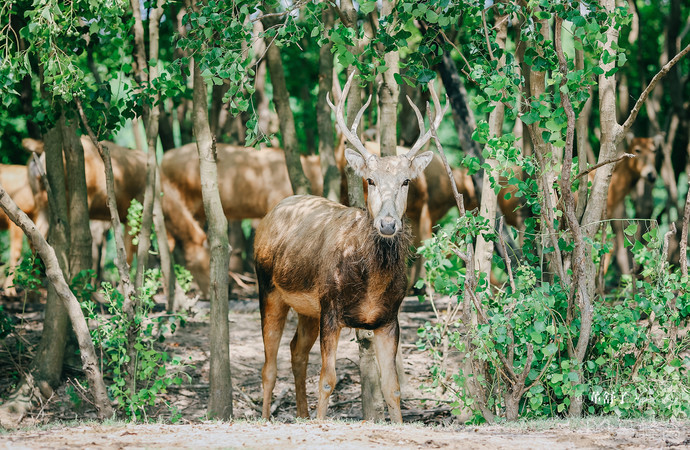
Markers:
point(390, 252)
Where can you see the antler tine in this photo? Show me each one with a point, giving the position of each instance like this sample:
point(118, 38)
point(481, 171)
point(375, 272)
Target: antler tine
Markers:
point(440, 112)
point(350, 134)
point(420, 119)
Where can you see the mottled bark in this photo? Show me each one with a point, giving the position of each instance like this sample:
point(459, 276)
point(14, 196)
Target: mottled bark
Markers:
point(220, 398)
point(463, 118)
point(329, 169)
point(47, 365)
point(487, 209)
point(372, 398)
point(281, 100)
point(389, 92)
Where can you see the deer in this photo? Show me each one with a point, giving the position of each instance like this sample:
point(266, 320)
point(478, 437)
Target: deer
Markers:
point(338, 266)
point(626, 174)
point(253, 181)
point(15, 179)
point(129, 172)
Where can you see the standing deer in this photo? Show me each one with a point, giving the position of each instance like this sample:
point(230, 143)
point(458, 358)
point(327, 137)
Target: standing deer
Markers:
point(338, 266)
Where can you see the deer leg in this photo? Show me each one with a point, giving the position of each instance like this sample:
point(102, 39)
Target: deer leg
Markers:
point(16, 239)
point(386, 345)
point(329, 347)
point(305, 336)
point(273, 316)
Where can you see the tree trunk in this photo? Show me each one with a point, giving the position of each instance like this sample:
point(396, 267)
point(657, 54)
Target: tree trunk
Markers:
point(329, 169)
point(281, 100)
point(372, 398)
point(389, 93)
point(220, 400)
point(47, 364)
point(57, 280)
point(237, 244)
point(462, 115)
point(487, 209)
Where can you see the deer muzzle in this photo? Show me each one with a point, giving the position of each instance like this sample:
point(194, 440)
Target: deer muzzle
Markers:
point(387, 226)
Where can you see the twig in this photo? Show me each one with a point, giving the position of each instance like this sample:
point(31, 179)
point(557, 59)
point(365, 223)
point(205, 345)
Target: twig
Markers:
point(279, 400)
point(249, 400)
point(596, 166)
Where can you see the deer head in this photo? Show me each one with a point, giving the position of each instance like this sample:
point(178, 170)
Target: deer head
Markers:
point(388, 177)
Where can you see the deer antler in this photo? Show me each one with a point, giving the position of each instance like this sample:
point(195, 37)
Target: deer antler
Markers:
point(350, 134)
point(440, 112)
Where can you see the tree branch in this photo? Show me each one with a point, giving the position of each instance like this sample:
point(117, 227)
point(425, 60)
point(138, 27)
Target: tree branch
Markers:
point(650, 87)
point(596, 166)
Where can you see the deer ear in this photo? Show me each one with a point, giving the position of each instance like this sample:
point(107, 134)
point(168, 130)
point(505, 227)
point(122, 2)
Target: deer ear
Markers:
point(419, 163)
point(356, 161)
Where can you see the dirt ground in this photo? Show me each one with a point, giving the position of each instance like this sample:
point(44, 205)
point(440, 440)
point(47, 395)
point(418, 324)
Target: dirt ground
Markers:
point(63, 421)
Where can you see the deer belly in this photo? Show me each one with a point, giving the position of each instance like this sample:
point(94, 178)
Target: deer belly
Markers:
point(305, 303)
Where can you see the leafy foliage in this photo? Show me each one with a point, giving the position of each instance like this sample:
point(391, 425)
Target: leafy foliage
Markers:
point(155, 369)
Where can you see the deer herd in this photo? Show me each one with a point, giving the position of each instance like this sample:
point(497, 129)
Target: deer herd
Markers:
point(336, 266)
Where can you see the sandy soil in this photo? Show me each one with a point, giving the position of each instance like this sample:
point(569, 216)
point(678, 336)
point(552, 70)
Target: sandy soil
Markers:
point(352, 435)
point(60, 422)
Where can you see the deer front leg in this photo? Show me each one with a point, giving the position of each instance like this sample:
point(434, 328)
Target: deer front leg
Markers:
point(305, 336)
point(329, 346)
point(386, 345)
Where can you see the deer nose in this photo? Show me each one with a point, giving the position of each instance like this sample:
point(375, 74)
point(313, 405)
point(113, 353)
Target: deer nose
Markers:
point(387, 226)
point(651, 177)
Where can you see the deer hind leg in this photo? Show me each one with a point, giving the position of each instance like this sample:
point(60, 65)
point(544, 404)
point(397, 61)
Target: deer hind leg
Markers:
point(305, 336)
point(329, 346)
point(386, 345)
point(273, 314)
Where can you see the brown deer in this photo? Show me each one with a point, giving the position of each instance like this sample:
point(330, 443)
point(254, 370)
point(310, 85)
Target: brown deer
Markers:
point(625, 176)
point(252, 181)
point(129, 172)
point(338, 266)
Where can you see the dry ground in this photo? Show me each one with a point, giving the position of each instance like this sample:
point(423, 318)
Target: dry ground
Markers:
point(59, 423)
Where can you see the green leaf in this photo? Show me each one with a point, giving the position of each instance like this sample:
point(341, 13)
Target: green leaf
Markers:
point(631, 229)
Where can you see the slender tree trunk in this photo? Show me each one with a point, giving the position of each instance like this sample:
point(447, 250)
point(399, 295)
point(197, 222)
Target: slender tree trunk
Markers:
point(389, 92)
point(281, 100)
point(220, 401)
point(236, 241)
point(462, 114)
point(57, 280)
point(487, 209)
point(329, 168)
point(372, 399)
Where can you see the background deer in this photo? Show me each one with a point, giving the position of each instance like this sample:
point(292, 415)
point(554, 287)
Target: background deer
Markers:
point(129, 172)
point(626, 174)
point(338, 266)
point(251, 182)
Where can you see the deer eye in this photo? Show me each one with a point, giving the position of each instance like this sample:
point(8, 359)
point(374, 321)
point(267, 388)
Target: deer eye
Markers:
point(371, 182)
point(406, 182)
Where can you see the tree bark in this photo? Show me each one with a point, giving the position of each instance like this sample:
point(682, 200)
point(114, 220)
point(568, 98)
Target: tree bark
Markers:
point(329, 168)
point(281, 100)
point(47, 364)
point(372, 398)
point(389, 92)
point(463, 118)
point(487, 209)
point(56, 278)
point(220, 401)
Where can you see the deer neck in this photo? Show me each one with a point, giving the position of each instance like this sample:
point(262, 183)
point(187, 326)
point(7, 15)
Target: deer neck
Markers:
point(387, 253)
